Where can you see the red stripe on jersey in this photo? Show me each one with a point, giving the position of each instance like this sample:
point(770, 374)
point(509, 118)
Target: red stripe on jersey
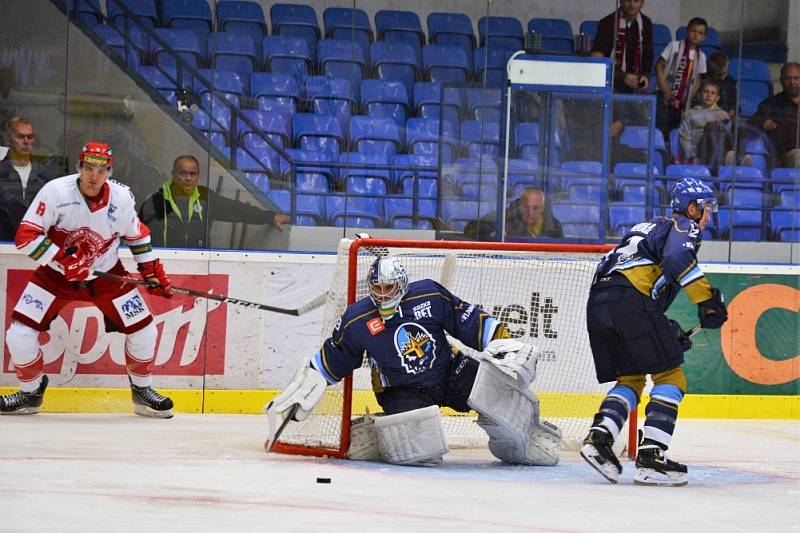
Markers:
point(27, 232)
point(139, 367)
point(30, 371)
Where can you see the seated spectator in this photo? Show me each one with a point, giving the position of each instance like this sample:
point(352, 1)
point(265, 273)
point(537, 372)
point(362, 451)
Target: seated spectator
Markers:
point(181, 212)
point(678, 71)
point(705, 132)
point(717, 69)
point(21, 176)
point(778, 116)
point(527, 216)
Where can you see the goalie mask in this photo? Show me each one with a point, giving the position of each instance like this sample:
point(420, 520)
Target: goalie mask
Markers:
point(388, 284)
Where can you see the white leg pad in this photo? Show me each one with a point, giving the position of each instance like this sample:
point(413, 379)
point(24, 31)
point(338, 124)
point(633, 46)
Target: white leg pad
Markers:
point(23, 343)
point(413, 437)
point(363, 440)
point(510, 416)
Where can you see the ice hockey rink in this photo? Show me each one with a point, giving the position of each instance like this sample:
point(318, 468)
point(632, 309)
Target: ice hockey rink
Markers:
point(119, 472)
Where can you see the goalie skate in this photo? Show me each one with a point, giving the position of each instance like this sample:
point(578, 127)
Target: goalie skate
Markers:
point(148, 402)
point(24, 403)
point(654, 468)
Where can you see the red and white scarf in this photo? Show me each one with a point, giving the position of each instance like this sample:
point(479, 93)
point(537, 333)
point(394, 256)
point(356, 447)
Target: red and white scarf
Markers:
point(620, 60)
point(683, 74)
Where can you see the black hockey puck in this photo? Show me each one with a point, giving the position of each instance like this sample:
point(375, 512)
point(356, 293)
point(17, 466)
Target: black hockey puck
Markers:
point(323, 480)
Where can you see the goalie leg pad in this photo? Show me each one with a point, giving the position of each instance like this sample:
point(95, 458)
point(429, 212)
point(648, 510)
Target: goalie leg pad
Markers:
point(363, 440)
point(510, 416)
point(414, 437)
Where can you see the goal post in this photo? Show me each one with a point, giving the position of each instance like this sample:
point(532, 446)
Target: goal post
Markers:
point(539, 290)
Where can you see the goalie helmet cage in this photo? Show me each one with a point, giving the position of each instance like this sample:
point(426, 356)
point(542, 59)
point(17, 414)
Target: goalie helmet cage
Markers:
point(538, 290)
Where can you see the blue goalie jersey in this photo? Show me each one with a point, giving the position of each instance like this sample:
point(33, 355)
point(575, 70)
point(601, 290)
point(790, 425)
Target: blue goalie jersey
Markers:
point(659, 257)
point(410, 348)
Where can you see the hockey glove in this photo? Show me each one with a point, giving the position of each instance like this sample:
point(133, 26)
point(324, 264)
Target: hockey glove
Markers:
point(153, 271)
point(683, 337)
point(712, 312)
point(74, 263)
point(509, 354)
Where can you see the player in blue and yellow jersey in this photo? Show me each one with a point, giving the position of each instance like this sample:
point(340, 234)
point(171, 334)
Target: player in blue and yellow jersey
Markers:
point(631, 337)
point(402, 329)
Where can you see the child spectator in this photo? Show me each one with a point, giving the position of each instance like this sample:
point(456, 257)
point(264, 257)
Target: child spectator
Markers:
point(717, 65)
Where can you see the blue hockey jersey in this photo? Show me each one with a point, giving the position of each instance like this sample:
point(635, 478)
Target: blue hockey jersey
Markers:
point(410, 348)
point(659, 257)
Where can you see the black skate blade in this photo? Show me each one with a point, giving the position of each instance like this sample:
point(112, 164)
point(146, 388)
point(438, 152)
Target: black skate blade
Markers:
point(143, 410)
point(288, 418)
point(22, 411)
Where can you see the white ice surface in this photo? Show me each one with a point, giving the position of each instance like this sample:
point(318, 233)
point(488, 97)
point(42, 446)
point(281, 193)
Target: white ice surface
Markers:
point(80, 472)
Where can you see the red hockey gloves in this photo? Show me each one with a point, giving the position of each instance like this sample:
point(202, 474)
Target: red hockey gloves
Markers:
point(74, 262)
point(153, 271)
point(712, 312)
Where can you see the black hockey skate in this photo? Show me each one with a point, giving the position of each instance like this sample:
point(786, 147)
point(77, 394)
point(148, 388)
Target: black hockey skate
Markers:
point(24, 403)
point(597, 451)
point(148, 402)
point(654, 468)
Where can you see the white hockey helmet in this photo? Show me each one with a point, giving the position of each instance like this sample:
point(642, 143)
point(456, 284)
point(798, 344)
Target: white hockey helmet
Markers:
point(388, 284)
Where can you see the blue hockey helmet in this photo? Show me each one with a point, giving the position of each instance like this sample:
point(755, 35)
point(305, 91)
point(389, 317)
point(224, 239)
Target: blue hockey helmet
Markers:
point(689, 190)
point(388, 283)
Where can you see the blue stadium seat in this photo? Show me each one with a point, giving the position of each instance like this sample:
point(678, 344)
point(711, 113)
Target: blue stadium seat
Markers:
point(399, 213)
point(589, 28)
point(744, 197)
point(485, 104)
point(310, 208)
point(578, 220)
point(282, 199)
point(423, 138)
point(740, 177)
point(287, 55)
point(234, 51)
point(396, 61)
point(243, 17)
point(359, 178)
point(424, 176)
point(160, 82)
point(116, 42)
point(318, 133)
point(183, 43)
point(745, 226)
point(636, 137)
point(584, 175)
point(331, 96)
point(349, 24)
point(688, 171)
point(311, 170)
point(354, 211)
point(630, 184)
point(789, 198)
point(662, 36)
point(428, 102)
point(275, 92)
point(522, 173)
point(505, 32)
point(457, 213)
point(344, 60)
point(785, 179)
point(785, 225)
point(751, 93)
point(371, 135)
point(259, 165)
point(208, 126)
point(481, 139)
point(192, 15)
point(296, 20)
point(473, 179)
point(453, 29)
point(753, 70)
point(556, 34)
point(622, 217)
point(88, 11)
point(490, 63)
point(445, 64)
point(385, 99)
point(400, 26)
point(274, 125)
point(144, 11)
point(226, 84)
point(526, 142)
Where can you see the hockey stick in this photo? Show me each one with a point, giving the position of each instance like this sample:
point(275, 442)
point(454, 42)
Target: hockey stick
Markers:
point(271, 417)
point(313, 304)
point(694, 329)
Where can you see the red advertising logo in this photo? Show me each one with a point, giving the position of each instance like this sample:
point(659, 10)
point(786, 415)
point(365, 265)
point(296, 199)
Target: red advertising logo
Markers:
point(191, 332)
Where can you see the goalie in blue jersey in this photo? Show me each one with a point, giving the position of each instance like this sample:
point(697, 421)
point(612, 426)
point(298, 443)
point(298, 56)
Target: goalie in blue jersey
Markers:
point(401, 326)
point(631, 337)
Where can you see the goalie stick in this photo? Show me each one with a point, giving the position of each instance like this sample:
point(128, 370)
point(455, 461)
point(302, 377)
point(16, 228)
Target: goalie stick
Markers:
point(287, 417)
point(313, 304)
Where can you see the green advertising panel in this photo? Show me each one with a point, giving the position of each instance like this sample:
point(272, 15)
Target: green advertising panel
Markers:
point(758, 350)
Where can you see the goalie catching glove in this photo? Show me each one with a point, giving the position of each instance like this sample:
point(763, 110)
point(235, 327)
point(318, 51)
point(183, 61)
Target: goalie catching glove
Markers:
point(512, 355)
point(299, 398)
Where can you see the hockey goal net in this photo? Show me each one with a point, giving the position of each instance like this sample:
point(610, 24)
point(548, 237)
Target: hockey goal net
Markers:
point(538, 290)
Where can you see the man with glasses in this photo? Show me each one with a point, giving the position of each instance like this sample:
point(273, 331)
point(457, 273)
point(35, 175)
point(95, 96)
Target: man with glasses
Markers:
point(21, 176)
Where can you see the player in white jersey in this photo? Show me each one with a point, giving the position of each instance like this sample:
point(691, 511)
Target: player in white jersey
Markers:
point(74, 227)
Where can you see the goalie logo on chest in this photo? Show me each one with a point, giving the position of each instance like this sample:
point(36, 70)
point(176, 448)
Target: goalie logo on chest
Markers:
point(415, 346)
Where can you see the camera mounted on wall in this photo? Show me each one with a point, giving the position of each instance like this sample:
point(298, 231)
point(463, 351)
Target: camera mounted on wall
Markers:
point(186, 105)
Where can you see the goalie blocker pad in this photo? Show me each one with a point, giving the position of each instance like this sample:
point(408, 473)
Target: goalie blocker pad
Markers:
point(510, 416)
point(299, 398)
point(412, 438)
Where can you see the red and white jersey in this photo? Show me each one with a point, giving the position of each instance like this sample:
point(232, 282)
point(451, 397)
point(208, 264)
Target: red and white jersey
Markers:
point(60, 217)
